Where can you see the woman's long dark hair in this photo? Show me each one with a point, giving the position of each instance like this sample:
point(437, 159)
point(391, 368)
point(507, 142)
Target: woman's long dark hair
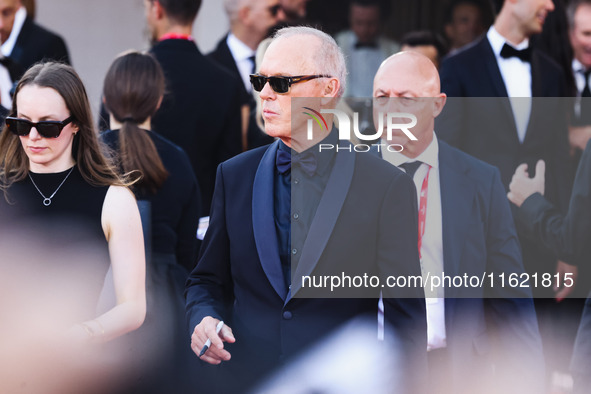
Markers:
point(132, 91)
point(87, 151)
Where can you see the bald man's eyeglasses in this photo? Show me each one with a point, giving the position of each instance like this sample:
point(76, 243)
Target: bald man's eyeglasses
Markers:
point(274, 9)
point(280, 84)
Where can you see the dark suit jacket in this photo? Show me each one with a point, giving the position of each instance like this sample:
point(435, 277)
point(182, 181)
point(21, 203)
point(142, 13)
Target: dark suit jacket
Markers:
point(200, 112)
point(568, 236)
point(222, 55)
point(493, 325)
point(365, 219)
point(485, 127)
point(35, 43)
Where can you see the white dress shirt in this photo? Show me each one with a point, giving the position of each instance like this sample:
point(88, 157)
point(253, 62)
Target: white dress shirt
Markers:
point(6, 49)
point(242, 54)
point(517, 77)
point(579, 73)
point(432, 241)
point(363, 63)
point(19, 21)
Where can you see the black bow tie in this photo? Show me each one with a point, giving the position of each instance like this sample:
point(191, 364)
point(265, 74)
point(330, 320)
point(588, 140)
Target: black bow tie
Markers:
point(306, 160)
point(372, 45)
point(508, 51)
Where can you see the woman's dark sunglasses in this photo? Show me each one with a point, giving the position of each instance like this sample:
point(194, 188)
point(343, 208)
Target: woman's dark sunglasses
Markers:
point(46, 128)
point(280, 84)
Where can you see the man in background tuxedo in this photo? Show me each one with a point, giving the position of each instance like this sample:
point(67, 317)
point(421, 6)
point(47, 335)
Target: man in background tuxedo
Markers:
point(288, 210)
point(364, 46)
point(468, 229)
point(508, 132)
point(567, 236)
point(201, 112)
point(24, 43)
point(250, 22)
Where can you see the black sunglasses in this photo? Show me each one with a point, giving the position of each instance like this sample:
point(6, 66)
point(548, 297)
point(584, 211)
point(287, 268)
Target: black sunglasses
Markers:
point(274, 9)
point(280, 84)
point(46, 128)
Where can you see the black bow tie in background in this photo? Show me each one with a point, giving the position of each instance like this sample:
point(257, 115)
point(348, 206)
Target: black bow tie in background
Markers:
point(371, 45)
point(508, 51)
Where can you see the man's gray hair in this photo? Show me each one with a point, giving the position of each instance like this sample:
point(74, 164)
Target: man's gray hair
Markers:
point(329, 59)
point(571, 9)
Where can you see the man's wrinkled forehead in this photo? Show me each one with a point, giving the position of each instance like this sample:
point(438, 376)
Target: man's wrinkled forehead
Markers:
point(292, 55)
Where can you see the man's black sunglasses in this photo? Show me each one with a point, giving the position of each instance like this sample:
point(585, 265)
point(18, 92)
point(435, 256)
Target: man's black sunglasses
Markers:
point(46, 128)
point(280, 84)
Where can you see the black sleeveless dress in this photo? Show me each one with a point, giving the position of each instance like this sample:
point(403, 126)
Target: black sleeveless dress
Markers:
point(65, 236)
point(53, 262)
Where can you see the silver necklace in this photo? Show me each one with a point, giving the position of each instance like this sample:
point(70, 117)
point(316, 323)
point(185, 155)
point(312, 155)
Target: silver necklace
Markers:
point(47, 200)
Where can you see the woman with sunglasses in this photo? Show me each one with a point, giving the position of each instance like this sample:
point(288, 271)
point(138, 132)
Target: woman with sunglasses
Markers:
point(132, 91)
point(54, 176)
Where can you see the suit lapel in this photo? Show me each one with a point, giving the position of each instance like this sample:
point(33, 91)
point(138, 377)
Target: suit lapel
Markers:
point(536, 82)
point(498, 84)
point(456, 199)
point(492, 69)
point(16, 56)
point(263, 221)
point(227, 57)
point(326, 216)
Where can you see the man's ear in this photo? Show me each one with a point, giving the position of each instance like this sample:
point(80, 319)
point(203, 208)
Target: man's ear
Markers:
point(331, 89)
point(438, 104)
point(243, 13)
point(158, 10)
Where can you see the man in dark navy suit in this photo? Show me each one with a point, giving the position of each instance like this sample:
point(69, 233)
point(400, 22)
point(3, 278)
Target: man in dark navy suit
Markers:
point(286, 211)
point(201, 110)
point(468, 229)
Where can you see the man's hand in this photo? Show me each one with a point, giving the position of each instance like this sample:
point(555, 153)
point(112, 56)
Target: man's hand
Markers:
point(562, 269)
point(578, 136)
point(206, 329)
point(522, 186)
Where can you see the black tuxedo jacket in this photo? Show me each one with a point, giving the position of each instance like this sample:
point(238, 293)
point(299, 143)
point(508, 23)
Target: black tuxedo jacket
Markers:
point(200, 111)
point(223, 56)
point(35, 43)
point(367, 219)
point(486, 129)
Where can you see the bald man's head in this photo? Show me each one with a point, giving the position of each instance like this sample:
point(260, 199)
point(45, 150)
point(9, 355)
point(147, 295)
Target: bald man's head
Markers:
point(410, 71)
point(408, 82)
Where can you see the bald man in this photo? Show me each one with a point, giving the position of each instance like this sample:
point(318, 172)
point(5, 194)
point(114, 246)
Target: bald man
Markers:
point(468, 229)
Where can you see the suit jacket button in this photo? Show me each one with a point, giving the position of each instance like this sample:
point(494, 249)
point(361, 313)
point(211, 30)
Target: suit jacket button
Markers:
point(287, 315)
